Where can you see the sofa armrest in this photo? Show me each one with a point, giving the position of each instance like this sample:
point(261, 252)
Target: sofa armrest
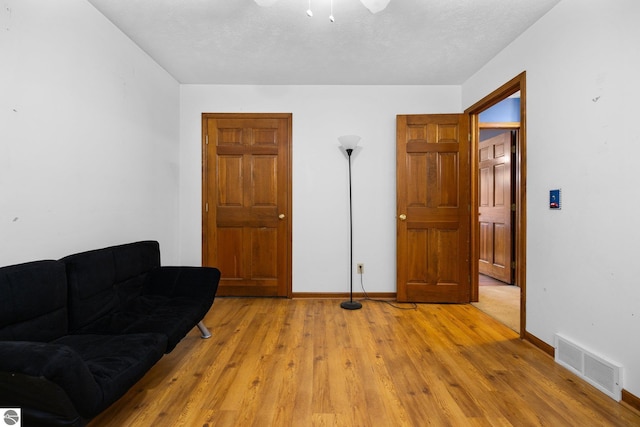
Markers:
point(56, 363)
point(43, 403)
point(197, 282)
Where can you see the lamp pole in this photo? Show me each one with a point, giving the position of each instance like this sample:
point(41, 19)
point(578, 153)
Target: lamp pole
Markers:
point(351, 304)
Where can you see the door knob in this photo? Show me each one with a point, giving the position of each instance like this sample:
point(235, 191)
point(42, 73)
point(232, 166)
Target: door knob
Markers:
point(402, 217)
point(281, 216)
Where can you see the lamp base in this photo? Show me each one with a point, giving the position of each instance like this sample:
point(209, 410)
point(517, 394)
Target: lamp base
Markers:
point(351, 305)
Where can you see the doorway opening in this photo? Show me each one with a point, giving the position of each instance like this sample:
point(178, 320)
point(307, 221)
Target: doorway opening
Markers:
point(499, 238)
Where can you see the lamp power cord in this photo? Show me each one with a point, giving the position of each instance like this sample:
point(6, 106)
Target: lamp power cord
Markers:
point(413, 305)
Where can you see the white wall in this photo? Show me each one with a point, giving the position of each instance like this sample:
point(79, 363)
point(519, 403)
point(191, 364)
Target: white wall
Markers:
point(583, 274)
point(320, 172)
point(88, 135)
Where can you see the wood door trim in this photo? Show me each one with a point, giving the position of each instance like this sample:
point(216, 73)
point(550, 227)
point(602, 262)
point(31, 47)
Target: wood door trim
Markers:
point(514, 85)
point(205, 189)
point(499, 125)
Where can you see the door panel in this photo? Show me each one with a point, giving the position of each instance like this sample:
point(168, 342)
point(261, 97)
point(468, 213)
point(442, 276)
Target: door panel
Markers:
point(494, 182)
point(246, 200)
point(433, 202)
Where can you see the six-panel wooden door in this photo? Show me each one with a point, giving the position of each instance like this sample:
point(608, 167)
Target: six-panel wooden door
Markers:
point(433, 208)
point(247, 202)
point(494, 199)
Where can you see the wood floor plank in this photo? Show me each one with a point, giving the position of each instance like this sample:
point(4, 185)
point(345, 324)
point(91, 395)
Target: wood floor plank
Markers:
point(279, 362)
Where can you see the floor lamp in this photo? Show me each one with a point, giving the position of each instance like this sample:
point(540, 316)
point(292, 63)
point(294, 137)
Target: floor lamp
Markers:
point(349, 143)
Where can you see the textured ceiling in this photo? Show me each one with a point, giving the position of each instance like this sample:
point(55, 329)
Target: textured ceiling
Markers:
point(422, 42)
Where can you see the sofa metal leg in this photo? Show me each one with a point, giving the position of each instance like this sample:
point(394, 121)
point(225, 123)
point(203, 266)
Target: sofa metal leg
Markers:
point(204, 332)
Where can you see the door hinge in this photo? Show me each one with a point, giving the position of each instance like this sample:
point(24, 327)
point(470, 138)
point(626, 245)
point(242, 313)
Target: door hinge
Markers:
point(206, 207)
point(469, 137)
point(513, 207)
point(513, 149)
point(206, 139)
point(513, 264)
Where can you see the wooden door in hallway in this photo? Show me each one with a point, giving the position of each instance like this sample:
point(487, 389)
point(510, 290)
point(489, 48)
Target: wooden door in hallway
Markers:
point(433, 208)
point(495, 201)
point(246, 192)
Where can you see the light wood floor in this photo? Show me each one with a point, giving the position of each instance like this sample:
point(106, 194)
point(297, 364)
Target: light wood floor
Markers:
point(278, 362)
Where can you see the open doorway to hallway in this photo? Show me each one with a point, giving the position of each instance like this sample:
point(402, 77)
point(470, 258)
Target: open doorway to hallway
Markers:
point(499, 203)
point(499, 128)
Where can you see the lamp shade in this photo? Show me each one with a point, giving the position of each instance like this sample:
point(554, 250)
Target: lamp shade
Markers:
point(349, 142)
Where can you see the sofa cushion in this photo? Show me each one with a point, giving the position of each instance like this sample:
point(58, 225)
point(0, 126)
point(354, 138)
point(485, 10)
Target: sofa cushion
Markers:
point(115, 362)
point(102, 280)
point(133, 259)
point(56, 363)
point(33, 302)
point(43, 402)
point(172, 317)
point(196, 282)
point(92, 370)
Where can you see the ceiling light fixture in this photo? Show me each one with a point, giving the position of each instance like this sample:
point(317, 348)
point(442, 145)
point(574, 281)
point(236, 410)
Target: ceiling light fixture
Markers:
point(309, 12)
point(374, 6)
point(265, 3)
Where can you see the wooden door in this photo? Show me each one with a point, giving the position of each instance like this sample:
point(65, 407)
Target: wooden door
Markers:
point(494, 200)
point(247, 202)
point(433, 207)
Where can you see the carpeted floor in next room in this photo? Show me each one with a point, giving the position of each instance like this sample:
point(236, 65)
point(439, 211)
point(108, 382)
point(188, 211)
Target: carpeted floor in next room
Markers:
point(500, 301)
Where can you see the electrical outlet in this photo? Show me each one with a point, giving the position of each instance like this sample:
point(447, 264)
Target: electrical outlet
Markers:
point(360, 268)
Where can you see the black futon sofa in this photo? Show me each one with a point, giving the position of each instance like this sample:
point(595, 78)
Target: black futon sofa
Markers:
point(77, 333)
